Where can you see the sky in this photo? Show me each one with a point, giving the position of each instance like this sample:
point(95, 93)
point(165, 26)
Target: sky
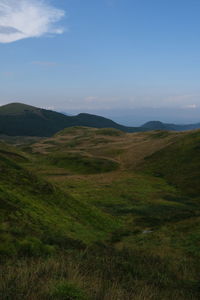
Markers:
point(130, 60)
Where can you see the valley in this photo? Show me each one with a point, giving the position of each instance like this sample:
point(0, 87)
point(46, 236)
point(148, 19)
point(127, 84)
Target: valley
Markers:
point(103, 214)
point(99, 150)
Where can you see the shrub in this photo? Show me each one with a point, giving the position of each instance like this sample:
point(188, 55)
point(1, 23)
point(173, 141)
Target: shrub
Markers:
point(67, 291)
point(7, 249)
point(7, 244)
point(34, 247)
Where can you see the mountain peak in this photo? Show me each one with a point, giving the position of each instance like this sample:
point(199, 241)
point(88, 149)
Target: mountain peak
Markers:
point(157, 125)
point(16, 108)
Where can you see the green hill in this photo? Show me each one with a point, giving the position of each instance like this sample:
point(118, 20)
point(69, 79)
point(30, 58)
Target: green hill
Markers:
point(101, 214)
point(157, 125)
point(37, 216)
point(24, 120)
point(179, 163)
point(17, 108)
point(18, 119)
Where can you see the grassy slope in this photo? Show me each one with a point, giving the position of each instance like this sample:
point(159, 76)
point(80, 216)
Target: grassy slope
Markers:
point(153, 252)
point(144, 198)
point(179, 163)
point(33, 207)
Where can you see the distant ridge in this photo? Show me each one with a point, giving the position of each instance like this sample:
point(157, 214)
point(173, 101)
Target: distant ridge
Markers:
point(157, 125)
point(26, 120)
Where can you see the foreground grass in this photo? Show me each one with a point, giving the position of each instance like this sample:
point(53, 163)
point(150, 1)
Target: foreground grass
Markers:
point(69, 231)
point(101, 273)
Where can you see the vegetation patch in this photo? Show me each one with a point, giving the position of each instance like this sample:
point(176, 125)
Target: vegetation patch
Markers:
point(70, 229)
point(38, 217)
point(75, 130)
point(157, 134)
point(67, 291)
point(179, 163)
point(78, 163)
point(109, 132)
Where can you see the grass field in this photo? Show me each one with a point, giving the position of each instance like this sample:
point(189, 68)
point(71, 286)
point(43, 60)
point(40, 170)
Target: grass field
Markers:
point(101, 214)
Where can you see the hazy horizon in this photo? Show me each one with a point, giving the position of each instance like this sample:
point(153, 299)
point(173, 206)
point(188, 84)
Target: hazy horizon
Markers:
point(136, 116)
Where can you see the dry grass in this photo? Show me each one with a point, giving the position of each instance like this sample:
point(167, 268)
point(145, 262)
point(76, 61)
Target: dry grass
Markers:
point(129, 148)
point(36, 279)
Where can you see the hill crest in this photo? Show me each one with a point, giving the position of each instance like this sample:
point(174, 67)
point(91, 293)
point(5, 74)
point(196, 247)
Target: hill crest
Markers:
point(17, 108)
point(18, 119)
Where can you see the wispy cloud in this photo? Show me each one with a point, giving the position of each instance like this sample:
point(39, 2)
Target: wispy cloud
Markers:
point(182, 99)
point(191, 106)
point(91, 99)
point(20, 19)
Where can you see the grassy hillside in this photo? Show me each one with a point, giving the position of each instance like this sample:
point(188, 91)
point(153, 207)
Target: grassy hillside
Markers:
point(37, 216)
point(101, 214)
point(179, 163)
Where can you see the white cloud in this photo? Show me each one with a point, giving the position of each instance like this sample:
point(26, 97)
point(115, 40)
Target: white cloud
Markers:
point(192, 106)
point(181, 98)
point(20, 19)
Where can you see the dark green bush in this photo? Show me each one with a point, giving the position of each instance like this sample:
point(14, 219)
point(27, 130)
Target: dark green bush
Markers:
point(34, 247)
point(7, 249)
point(67, 291)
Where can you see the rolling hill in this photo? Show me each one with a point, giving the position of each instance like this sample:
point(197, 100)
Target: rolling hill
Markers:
point(157, 125)
point(37, 217)
point(94, 213)
point(17, 119)
point(178, 163)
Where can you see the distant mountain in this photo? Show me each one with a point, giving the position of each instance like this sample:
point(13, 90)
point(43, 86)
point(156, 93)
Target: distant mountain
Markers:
point(25, 120)
point(157, 125)
point(17, 119)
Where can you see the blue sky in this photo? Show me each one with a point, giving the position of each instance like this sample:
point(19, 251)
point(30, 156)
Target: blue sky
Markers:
point(126, 59)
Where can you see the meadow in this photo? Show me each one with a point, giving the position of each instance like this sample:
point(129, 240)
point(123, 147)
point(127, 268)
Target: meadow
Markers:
point(101, 214)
